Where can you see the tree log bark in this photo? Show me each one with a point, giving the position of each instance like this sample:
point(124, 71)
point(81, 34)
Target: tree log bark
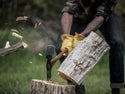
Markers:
point(83, 58)
point(13, 48)
point(49, 87)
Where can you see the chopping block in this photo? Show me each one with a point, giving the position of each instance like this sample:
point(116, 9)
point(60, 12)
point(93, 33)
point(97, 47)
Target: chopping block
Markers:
point(83, 58)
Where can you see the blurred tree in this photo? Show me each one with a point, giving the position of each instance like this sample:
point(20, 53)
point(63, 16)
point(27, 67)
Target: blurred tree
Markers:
point(10, 9)
point(44, 9)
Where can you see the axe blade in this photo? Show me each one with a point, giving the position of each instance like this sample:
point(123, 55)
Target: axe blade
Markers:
point(49, 56)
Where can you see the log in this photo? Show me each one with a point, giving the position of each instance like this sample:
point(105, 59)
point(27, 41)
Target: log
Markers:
point(16, 47)
point(49, 87)
point(83, 58)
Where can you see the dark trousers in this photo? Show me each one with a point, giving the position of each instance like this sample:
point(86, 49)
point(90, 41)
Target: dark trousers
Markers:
point(112, 34)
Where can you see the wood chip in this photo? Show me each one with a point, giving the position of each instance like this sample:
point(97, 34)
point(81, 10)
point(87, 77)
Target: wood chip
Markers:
point(17, 35)
point(14, 30)
point(35, 26)
point(21, 18)
point(39, 23)
point(7, 44)
point(25, 45)
point(40, 54)
point(30, 62)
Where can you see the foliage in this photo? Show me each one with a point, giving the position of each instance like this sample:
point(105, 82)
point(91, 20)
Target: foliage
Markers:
point(10, 9)
point(120, 9)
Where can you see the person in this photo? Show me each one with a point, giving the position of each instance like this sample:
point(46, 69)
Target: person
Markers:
point(79, 18)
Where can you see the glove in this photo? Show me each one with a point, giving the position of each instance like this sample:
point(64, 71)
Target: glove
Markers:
point(77, 38)
point(67, 41)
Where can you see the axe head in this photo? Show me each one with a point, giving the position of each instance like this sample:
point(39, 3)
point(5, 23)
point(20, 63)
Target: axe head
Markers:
point(49, 56)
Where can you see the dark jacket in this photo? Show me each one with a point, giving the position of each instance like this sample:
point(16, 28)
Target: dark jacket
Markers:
point(86, 10)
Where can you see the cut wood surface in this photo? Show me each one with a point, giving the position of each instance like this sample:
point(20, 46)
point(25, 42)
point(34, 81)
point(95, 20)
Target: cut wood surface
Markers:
point(16, 47)
point(49, 87)
point(83, 58)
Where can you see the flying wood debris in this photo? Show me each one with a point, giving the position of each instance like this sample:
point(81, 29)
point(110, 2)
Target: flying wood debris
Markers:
point(39, 23)
point(14, 48)
point(17, 35)
point(7, 44)
point(21, 18)
point(30, 62)
point(24, 45)
point(14, 30)
point(40, 54)
point(35, 26)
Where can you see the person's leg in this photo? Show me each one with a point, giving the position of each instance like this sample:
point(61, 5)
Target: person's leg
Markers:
point(112, 33)
point(78, 27)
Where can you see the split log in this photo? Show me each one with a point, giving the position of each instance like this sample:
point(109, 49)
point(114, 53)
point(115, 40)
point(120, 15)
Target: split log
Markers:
point(49, 87)
point(83, 58)
point(17, 47)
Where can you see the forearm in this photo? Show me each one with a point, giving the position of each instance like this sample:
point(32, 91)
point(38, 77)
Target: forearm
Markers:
point(66, 22)
point(93, 25)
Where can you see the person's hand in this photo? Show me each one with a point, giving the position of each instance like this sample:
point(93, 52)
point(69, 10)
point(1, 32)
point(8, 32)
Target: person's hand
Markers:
point(77, 38)
point(67, 41)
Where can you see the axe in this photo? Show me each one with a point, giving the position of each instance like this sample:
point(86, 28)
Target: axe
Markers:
point(50, 60)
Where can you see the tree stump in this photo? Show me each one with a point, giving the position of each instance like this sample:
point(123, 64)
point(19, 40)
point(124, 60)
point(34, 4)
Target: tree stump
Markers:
point(49, 87)
point(83, 58)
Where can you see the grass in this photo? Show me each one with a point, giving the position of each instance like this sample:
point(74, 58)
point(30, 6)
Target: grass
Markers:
point(18, 69)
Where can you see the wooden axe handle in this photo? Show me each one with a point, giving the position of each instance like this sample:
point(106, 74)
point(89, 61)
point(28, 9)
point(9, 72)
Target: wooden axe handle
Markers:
point(58, 56)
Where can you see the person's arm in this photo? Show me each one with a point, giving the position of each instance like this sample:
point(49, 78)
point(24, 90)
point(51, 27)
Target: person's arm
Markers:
point(67, 15)
point(66, 22)
point(93, 25)
point(103, 13)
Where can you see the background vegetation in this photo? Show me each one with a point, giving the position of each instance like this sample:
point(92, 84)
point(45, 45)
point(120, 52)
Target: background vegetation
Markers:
point(18, 69)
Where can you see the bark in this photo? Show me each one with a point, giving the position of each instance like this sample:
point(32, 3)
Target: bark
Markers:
point(12, 49)
point(49, 87)
point(83, 58)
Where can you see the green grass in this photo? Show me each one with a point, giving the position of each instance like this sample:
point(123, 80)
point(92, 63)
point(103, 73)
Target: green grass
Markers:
point(18, 69)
